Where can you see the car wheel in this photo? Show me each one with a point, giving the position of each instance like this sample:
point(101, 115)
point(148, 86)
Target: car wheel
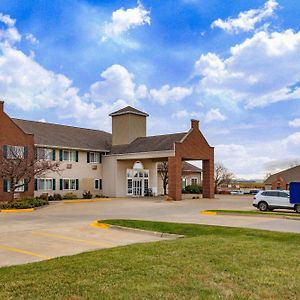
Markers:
point(297, 208)
point(263, 206)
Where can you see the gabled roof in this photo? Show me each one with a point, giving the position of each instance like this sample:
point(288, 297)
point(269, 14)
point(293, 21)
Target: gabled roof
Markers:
point(129, 110)
point(149, 144)
point(186, 167)
point(48, 134)
point(288, 175)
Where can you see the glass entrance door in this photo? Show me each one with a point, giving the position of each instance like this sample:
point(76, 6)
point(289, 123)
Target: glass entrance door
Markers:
point(138, 187)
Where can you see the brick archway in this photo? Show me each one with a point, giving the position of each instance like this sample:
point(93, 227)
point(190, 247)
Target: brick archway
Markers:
point(193, 147)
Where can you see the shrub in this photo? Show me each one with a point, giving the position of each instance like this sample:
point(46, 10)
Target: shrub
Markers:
point(100, 196)
point(50, 198)
point(24, 203)
point(42, 196)
point(193, 189)
point(70, 196)
point(57, 197)
point(87, 195)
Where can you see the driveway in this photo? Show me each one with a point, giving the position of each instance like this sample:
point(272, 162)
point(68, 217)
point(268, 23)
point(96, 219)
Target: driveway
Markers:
point(65, 229)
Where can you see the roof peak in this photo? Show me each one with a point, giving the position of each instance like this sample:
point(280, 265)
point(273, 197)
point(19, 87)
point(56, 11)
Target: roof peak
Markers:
point(128, 110)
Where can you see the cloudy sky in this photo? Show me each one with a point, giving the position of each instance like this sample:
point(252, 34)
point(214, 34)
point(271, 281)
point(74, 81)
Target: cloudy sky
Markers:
point(234, 65)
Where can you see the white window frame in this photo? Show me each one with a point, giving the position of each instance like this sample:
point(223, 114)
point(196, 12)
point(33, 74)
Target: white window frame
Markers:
point(97, 180)
point(47, 155)
point(20, 189)
point(17, 150)
point(95, 155)
point(69, 179)
point(194, 178)
point(44, 179)
point(71, 155)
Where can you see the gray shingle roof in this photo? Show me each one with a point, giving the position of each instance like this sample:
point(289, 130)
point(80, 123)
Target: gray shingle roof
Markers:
point(149, 144)
point(289, 175)
point(66, 136)
point(129, 110)
point(186, 167)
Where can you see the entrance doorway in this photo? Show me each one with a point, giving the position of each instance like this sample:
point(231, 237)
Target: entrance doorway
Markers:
point(137, 180)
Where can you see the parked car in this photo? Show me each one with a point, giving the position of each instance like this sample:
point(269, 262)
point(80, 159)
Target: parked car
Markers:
point(237, 192)
point(253, 192)
point(270, 199)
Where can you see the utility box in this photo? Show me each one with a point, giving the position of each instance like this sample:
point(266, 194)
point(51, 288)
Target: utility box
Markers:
point(295, 192)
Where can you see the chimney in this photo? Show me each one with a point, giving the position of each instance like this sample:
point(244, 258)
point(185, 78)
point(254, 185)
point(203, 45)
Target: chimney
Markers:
point(194, 124)
point(1, 106)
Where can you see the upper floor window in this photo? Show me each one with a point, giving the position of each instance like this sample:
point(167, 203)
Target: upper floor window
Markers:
point(68, 155)
point(93, 157)
point(45, 154)
point(14, 152)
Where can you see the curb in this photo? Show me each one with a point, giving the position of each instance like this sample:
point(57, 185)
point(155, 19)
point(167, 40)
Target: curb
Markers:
point(17, 210)
point(147, 232)
point(204, 212)
point(100, 225)
point(87, 200)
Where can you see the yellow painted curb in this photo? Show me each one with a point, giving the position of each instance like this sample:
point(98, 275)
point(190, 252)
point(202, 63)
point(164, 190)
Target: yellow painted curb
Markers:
point(87, 200)
point(100, 225)
point(205, 212)
point(17, 210)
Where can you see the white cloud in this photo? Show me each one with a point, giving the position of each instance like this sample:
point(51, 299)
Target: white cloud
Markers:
point(31, 38)
point(7, 20)
point(214, 115)
point(246, 21)
point(123, 20)
point(295, 123)
point(166, 94)
point(292, 140)
point(9, 35)
point(259, 71)
point(181, 114)
point(117, 84)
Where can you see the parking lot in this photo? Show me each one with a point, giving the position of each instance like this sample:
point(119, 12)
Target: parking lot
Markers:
point(65, 229)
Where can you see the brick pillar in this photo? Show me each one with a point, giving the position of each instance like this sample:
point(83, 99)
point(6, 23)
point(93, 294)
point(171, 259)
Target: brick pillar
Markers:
point(208, 178)
point(174, 184)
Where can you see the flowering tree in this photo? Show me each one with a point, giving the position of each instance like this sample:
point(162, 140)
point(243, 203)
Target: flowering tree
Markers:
point(18, 167)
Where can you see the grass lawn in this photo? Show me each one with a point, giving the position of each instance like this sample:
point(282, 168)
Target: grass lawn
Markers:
point(209, 263)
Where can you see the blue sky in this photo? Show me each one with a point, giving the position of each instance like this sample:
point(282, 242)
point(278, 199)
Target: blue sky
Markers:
point(233, 65)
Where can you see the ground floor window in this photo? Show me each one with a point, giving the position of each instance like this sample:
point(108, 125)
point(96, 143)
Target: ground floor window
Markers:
point(184, 182)
point(45, 184)
point(7, 186)
point(69, 184)
point(194, 181)
point(98, 184)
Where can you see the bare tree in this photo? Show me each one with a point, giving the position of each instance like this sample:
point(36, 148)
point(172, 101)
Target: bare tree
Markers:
point(222, 175)
point(19, 166)
point(164, 174)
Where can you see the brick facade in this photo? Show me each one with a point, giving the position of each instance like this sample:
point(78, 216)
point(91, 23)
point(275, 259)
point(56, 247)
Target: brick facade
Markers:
point(11, 134)
point(193, 147)
point(279, 184)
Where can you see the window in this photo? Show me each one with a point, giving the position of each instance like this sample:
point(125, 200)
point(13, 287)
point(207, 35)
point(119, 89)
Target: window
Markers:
point(69, 155)
point(13, 152)
point(284, 195)
point(45, 154)
point(129, 186)
point(69, 184)
point(19, 189)
point(194, 181)
point(45, 184)
point(94, 157)
point(98, 184)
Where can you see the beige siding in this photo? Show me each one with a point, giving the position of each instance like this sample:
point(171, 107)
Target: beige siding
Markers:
point(126, 128)
point(80, 170)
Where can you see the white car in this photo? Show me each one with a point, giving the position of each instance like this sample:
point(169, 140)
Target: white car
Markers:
point(237, 192)
point(271, 199)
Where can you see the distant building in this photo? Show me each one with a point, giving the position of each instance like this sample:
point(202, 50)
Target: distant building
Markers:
point(282, 180)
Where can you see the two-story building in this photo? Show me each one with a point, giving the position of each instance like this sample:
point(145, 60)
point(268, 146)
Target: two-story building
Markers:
point(118, 164)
